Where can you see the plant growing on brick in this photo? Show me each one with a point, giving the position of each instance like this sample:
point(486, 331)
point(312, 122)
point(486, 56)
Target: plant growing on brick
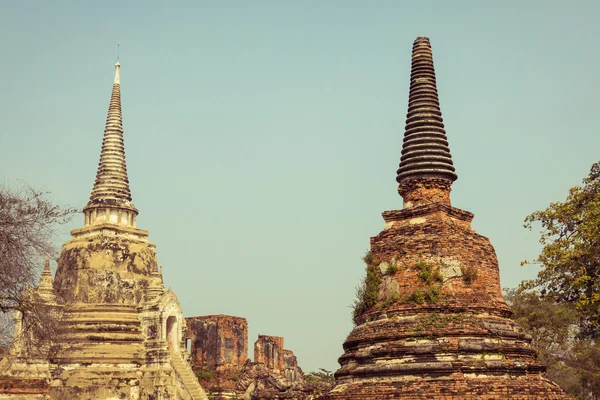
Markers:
point(469, 274)
point(368, 290)
point(392, 268)
point(417, 297)
point(205, 374)
point(433, 293)
point(389, 301)
point(369, 258)
point(427, 272)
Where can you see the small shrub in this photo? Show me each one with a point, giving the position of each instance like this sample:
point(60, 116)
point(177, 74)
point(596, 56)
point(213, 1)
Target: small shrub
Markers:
point(433, 294)
point(423, 265)
point(426, 273)
point(393, 268)
point(368, 290)
point(233, 376)
point(417, 296)
point(322, 375)
point(469, 274)
point(205, 374)
point(369, 258)
point(388, 302)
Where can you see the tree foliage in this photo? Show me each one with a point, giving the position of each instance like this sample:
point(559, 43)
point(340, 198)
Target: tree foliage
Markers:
point(572, 361)
point(28, 220)
point(570, 257)
point(320, 376)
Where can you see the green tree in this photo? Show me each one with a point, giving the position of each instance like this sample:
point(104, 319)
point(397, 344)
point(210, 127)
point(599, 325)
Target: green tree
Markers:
point(570, 258)
point(318, 383)
point(573, 362)
point(322, 375)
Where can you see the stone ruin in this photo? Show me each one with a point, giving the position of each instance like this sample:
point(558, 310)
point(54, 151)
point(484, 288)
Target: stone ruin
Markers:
point(218, 347)
point(120, 333)
point(431, 322)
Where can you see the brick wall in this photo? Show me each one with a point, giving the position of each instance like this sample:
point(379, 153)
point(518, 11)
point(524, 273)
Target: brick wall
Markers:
point(269, 351)
point(217, 341)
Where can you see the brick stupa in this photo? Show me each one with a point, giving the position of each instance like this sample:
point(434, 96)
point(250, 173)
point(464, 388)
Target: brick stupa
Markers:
point(431, 322)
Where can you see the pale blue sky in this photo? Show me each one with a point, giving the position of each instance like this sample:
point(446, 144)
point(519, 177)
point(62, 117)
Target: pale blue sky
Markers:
point(263, 137)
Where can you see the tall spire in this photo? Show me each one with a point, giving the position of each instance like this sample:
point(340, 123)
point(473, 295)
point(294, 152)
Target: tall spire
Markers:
point(111, 188)
point(425, 153)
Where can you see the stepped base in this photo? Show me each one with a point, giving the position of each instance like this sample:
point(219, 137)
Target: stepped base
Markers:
point(450, 387)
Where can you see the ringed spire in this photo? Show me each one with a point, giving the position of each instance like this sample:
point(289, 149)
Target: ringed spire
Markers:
point(110, 200)
point(425, 151)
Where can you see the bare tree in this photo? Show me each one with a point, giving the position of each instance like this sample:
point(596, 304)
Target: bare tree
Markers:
point(28, 220)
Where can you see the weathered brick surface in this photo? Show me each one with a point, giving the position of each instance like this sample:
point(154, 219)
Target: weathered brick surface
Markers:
point(463, 344)
point(219, 353)
point(258, 381)
point(269, 351)
point(17, 386)
point(219, 342)
point(439, 327)
point(292, 372)
point(416, 192)
point(454, 388)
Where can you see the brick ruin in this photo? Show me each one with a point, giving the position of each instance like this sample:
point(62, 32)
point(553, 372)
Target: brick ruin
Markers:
point(122, 335)
point(269, 351)
point(432, 322)
point(217, 342)
point(218, 347)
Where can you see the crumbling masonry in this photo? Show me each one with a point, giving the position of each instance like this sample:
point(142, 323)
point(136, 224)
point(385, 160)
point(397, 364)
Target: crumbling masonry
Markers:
point(121, 331)
point(218, 345)
point(430, 323)
point(433, 323)
point(218, 342)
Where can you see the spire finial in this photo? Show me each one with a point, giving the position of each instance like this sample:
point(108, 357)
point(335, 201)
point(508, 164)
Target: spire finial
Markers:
point(110, 200)
point(426, 158)
point(117, 72)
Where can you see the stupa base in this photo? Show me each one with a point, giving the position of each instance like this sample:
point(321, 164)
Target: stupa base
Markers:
point(534, 387)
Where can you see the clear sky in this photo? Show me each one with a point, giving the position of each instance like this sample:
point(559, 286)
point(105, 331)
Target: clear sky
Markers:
point(262, 137)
